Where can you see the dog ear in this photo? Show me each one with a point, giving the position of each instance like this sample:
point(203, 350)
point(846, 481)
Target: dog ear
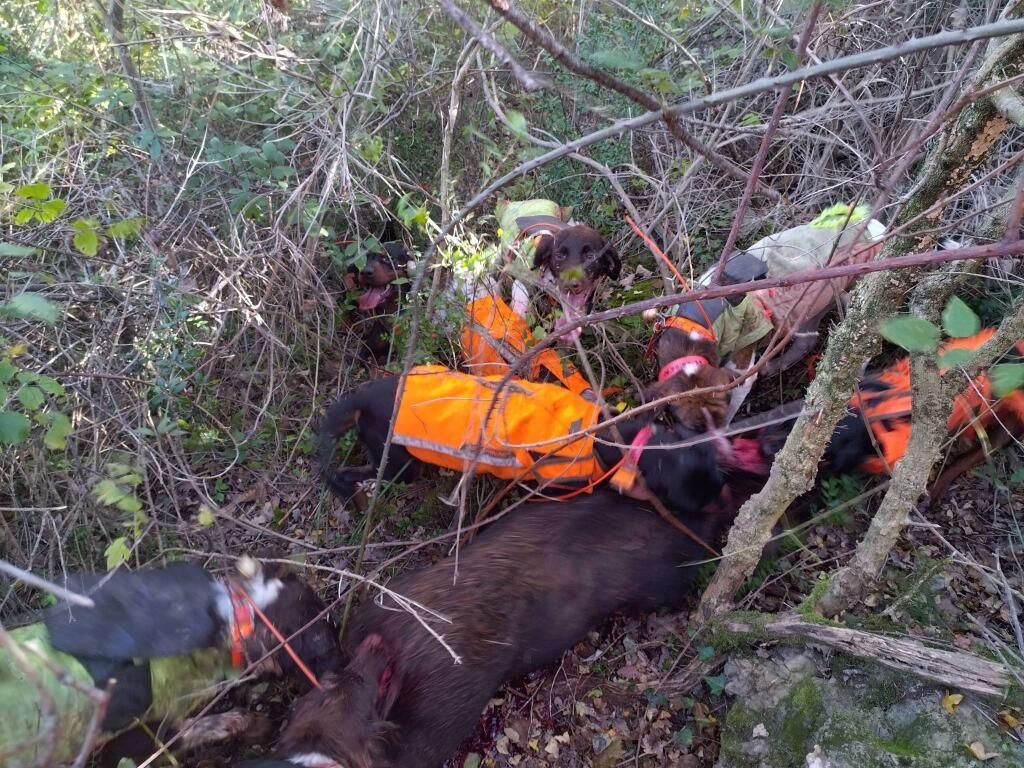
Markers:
point(398, 254)
point(542, 248)
point(611, 262)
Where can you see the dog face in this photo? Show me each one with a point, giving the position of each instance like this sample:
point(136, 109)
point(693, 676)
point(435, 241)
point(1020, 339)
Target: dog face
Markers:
point(693, 411)
point(377, 277)
point(576, 258)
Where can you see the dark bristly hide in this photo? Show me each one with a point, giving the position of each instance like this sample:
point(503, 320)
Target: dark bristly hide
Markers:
point(533, 584)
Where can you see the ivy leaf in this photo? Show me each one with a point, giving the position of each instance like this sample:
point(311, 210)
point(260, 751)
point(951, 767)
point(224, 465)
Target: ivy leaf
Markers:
point(31, 398)
point(716, 684)
point(705, 652)
point(39, 191)
point(13, 249)
point(952, 358)
point(117, 553)
point(7, 370)
point(31, 306)
point(87, 241)
point(914, 334)
point(14, 427)
point(56, 437)
point(1006, 378)
point(684, 736)
point(959, 320)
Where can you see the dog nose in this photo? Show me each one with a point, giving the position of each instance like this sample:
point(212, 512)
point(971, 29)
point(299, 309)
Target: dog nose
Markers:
point(367, 271)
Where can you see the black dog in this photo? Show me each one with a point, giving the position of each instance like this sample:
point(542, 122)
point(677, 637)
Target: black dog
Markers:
point(684, 479)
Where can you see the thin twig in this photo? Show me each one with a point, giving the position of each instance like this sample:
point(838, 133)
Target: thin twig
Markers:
point(39, 583)
point(574, 64)
point(487, 41)
point(762, 152)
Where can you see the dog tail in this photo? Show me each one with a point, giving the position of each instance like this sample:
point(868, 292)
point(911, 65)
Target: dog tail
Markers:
point(342, 416)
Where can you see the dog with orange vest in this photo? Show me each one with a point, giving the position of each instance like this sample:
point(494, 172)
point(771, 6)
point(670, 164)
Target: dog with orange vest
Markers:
point(537, 433)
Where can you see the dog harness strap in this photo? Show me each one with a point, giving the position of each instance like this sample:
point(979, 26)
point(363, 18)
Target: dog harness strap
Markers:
point(679, 366)
point(686, 325)
point(625, 477)
point(242, 623)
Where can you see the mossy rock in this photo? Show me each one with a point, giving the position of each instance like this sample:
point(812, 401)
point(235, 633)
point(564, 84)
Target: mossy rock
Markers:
point(795, 709)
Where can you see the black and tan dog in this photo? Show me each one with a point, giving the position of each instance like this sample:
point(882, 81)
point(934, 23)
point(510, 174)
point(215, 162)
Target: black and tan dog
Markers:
point(381, 285)
point(541, 434)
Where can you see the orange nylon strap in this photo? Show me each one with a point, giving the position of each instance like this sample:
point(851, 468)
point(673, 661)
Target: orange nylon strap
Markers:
point(242, 624)
point(686, 325)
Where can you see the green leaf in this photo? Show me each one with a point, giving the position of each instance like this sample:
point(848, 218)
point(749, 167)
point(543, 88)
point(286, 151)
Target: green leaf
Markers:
point(205, 516)
point(14, 427)
point(87, 241)
point(126, 228)
point(50, 386)
point(914, 334)
point(789, 58)
point(1006, 378)
point(716, 684)
point(684, 736)
point(516, 121)
point(952, 358)
point(50, 210)
point(31, 306)
point(4, 394)
point(108, 492)
point(129, 503)
point(959, 320)
point(616, 59)
point(13, 249)
point(117, 553)
point(7, 370)
point(24, 216)
point(56, 437)
point(39, 191)
point(705, 652)
point(32, 398)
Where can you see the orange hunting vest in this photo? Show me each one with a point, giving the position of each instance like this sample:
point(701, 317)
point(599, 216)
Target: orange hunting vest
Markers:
point(495, 336)
point(441, 420)
point(888, 412)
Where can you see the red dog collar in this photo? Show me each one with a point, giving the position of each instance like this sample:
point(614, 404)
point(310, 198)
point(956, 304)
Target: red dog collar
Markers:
point(625, 477)
point(677, 365)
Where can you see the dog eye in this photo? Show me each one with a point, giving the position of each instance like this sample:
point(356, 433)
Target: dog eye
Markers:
point(560, 256)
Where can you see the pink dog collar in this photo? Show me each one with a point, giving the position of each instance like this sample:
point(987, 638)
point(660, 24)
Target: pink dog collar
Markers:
point(677, 365)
